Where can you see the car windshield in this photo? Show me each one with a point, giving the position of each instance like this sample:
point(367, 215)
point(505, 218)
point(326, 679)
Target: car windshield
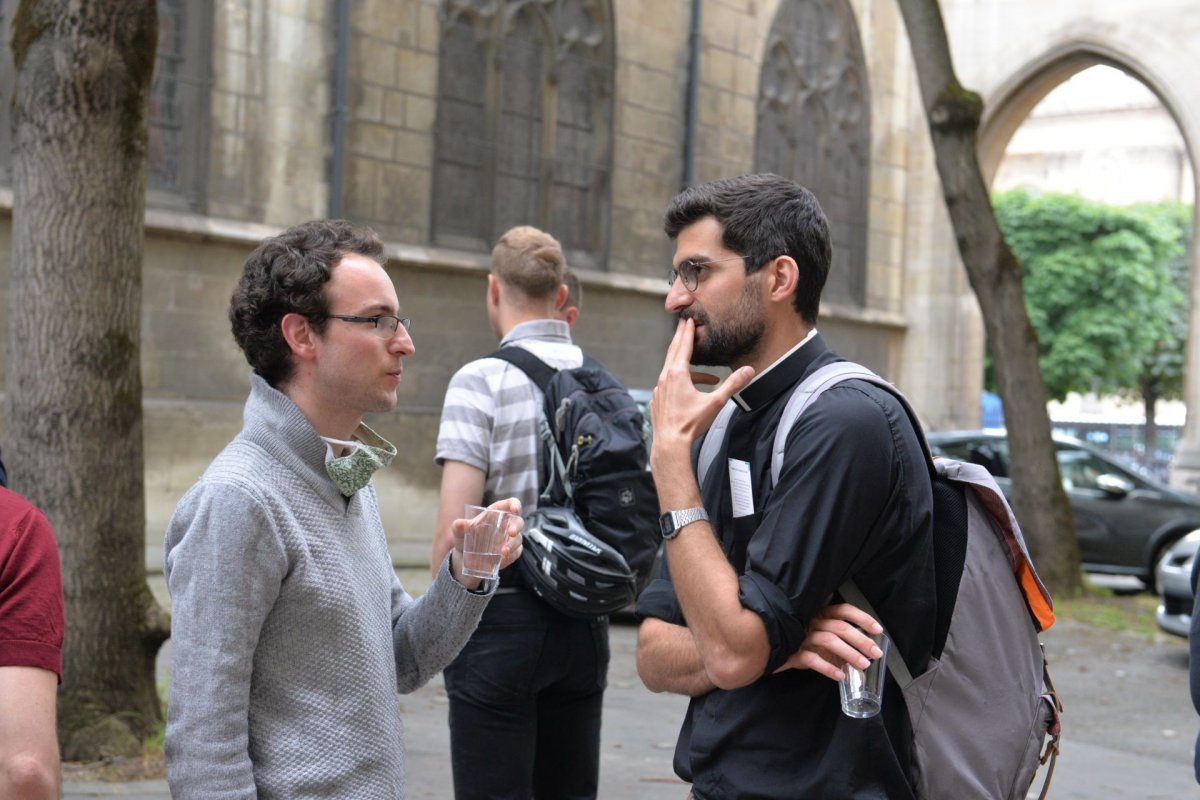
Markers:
point(1080, 469)
point(989, 453)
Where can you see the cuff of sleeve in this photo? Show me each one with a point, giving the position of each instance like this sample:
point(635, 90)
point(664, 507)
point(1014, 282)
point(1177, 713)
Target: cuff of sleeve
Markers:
point(32, 654)
point(487, 586)
point(658, 600)
point(456, 598)
point(467, 458)
point(785, 633)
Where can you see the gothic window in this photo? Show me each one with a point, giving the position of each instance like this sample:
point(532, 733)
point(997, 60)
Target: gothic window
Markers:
point(524, 119)
point(814, 126)
point(178, 106)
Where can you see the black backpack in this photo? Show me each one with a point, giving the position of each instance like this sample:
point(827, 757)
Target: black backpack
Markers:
point(595, 462)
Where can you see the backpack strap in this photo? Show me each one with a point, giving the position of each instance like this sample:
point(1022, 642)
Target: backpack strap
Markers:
point(538, 371)
point(813, 387)
point(895, 662)
point(802, 397)
point(541, 374)
point(713, 439)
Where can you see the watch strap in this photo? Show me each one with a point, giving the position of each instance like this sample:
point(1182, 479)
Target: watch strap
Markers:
point(675, 521)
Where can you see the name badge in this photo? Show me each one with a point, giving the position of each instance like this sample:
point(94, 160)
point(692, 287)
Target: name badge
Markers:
point(740, 488)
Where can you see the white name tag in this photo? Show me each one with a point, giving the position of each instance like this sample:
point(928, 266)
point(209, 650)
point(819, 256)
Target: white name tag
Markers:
point(740, 488)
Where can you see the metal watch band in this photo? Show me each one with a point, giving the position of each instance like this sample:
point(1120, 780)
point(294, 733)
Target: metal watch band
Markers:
point(675, 521)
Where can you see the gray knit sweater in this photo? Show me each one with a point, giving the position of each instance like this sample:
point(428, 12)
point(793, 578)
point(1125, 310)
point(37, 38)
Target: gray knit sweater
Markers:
point(291, 633)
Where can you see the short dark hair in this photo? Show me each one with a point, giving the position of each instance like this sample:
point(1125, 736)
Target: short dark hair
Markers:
point(763, 216)
point(287, 273)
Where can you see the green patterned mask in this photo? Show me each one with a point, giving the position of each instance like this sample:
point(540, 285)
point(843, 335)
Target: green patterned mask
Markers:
point(370, 452)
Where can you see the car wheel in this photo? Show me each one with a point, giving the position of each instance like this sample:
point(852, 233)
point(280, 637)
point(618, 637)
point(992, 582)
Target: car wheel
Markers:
point(1152, 581)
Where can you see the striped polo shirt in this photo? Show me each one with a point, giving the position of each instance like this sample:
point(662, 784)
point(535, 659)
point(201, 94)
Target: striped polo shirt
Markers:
point(492, 410)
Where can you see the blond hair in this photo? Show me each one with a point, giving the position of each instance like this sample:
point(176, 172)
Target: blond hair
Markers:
point(530, 261)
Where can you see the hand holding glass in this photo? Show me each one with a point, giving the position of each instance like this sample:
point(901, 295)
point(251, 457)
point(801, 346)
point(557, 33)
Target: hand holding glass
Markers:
point(862, 689)
point(487, 531)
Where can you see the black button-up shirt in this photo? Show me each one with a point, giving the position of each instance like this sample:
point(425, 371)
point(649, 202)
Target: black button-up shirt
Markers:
point(853, 501)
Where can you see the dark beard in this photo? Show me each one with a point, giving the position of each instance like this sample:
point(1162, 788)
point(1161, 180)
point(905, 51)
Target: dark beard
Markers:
point(731, 341)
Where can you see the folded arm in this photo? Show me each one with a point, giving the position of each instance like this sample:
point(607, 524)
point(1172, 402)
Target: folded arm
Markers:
point(669, 661)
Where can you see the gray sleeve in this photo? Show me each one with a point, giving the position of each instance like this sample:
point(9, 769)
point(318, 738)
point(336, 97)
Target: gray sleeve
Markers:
point(224, 566)
point(428, 632)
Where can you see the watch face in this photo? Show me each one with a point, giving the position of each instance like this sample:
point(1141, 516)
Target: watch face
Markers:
point(667, 523)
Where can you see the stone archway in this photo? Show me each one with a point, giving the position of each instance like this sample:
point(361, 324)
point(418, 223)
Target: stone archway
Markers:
point(1015, 98)
point(1048, 43)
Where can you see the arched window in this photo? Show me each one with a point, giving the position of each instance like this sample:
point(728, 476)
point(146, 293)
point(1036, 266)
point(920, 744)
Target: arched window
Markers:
point(178, 110)
point(814, 126)
point(178, 104)
point(524, 123)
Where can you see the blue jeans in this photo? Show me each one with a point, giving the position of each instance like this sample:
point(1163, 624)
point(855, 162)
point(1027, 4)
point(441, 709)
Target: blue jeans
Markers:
point(525, 699)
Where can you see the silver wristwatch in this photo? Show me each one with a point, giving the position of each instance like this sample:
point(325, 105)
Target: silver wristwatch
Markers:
point(674, 521)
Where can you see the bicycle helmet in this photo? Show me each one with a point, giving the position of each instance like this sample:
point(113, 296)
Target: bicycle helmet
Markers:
point(570, 568)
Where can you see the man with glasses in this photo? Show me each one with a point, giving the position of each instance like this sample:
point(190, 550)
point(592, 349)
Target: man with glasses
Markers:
point(291, 634)
point(526, 692)
point(740, 623)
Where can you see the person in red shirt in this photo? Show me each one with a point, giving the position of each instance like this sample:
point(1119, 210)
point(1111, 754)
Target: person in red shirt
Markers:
point(31, 637)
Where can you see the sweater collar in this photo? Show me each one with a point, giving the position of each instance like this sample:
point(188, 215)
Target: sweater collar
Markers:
point(275, 423)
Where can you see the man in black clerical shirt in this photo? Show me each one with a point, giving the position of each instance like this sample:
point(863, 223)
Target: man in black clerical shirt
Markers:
point(741, 621)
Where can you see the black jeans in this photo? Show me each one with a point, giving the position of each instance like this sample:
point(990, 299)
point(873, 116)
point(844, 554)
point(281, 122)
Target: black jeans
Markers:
point(525, 699)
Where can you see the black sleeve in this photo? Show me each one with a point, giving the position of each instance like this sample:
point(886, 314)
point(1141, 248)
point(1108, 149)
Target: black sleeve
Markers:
point(840, 477)
point(658, 599)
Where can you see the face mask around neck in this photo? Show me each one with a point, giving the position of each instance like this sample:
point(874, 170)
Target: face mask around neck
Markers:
point(370, 452)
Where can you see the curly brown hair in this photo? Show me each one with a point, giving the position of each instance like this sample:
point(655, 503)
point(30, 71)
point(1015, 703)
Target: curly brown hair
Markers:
point(285, 274)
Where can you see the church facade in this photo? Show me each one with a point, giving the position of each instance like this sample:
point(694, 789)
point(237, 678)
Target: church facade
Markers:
point(441, 123)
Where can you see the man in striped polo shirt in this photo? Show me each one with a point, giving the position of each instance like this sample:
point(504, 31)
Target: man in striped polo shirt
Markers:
point(526, 692)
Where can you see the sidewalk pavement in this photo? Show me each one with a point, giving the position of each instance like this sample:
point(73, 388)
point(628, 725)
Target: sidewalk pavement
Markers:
point(637, 740)
point(1128, 727)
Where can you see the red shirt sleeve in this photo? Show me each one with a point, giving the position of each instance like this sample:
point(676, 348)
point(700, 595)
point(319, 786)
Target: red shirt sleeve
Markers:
point(31, 593)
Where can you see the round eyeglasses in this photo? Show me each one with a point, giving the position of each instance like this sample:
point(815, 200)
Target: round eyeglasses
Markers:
point(384, 325)
point(689, 271)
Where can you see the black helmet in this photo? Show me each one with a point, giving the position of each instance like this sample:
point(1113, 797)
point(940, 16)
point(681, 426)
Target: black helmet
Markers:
point(570, 568)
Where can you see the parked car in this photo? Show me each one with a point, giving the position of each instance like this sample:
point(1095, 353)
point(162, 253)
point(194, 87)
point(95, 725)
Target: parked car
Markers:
point(1174, 575)
point(1125, 522)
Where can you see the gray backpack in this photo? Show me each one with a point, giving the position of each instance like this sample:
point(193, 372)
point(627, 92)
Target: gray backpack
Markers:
point(983, 708)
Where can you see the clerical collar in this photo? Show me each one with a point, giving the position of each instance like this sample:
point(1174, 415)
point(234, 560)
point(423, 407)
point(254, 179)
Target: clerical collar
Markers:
point(782, 374)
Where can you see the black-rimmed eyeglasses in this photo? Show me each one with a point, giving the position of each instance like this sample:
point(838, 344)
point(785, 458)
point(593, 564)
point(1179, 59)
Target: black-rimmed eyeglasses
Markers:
point(689, 271)
point(384, 325)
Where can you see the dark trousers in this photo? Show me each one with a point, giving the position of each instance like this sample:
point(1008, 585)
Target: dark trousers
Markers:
point(525, 698)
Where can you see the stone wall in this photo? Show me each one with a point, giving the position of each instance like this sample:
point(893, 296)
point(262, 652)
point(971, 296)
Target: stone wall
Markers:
point(269, 147)
point(271, 99)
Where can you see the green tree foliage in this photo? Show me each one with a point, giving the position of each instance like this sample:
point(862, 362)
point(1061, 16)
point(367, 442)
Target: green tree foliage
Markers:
point(1162, 367)
point(1106, 290)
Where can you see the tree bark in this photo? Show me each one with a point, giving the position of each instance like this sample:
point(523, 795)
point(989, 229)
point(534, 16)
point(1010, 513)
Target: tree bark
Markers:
point(1150, 430)
point(74, 396)
point(953, 114)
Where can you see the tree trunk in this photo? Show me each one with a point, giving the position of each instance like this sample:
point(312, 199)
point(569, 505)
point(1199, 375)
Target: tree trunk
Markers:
point(74, 396)
point(1150, 433)
point(953, 114)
